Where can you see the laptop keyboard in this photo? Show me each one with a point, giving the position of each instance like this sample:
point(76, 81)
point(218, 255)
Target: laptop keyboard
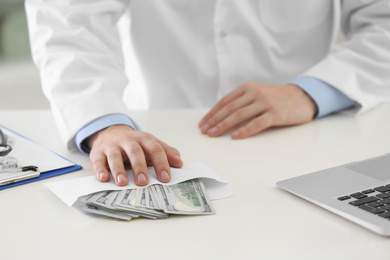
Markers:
point(375, 200)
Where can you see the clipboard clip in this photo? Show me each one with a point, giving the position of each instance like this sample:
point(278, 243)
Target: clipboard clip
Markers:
point(21, 169)
point(18, 174)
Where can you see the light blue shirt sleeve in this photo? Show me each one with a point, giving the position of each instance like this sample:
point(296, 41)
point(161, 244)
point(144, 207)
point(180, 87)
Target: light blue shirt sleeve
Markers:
point(327, 98)
point(97, 125)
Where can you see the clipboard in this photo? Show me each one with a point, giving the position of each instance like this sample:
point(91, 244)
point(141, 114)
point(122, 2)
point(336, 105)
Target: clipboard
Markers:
point(27, 152)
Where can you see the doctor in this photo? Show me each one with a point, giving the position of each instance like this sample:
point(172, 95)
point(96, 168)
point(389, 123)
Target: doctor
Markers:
point(263, 63)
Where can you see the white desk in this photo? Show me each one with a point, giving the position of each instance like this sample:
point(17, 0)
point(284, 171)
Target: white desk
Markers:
point(260, 221)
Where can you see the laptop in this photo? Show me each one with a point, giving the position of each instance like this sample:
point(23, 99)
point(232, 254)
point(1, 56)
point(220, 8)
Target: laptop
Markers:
point(358, 191)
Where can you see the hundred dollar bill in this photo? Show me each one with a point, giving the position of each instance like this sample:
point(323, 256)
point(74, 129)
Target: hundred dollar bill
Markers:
point(84, 199)
point(188, 198)
point(105, 200)
point(126, 202)
point(140, 197)
point(107, 213)
point(83, 205)
point(148, 200)
point(101, 199)
point(154, 202)
point(151, 201)
point(145, 198)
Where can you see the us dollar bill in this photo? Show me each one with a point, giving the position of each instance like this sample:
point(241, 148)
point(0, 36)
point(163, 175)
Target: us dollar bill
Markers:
point(187, 198)
point(83, 204)
point(107, 213)
point(140, 197)
point(106, 201)
point(153, 199)
point(126, 201)
point(154, 202)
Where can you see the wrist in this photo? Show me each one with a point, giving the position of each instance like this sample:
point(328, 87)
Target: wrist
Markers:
point(307, 100)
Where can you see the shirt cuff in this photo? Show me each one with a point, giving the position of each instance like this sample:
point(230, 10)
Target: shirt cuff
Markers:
point(97, 125)
point(327, 98)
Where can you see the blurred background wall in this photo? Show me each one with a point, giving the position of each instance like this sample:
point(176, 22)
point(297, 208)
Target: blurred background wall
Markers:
point(19, 79)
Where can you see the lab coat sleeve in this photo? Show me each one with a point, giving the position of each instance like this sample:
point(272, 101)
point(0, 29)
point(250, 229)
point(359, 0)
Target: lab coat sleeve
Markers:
point(327, 98)
point(76, 46)
point(359, 67)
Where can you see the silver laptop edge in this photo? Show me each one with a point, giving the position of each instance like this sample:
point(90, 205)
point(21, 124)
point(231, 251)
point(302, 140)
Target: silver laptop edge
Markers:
point(324, 187)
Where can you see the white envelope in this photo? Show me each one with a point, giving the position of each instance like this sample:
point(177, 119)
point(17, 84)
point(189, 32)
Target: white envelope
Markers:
point(70, 190)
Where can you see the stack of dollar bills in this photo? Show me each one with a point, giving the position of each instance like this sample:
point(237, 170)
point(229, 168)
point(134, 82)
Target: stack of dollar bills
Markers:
point(154, 202)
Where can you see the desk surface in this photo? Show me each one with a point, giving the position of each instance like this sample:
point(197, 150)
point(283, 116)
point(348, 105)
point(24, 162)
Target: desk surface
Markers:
point(260, 221)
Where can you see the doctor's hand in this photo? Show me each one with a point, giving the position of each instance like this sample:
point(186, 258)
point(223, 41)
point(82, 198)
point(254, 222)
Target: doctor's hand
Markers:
point(253, 107)
point(116, 145)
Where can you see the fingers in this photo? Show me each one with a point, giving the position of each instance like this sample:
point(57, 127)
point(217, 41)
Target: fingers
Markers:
point(218, 113)
point(161, 156)
point(228, 112)
point(115, 163)
point(260, 106)
point(253, 127)
point(112, 160)
point(149, 150)
point(137, 160)
point(173, 155)
point(158, 157)
point(152, 151)
point(232, 96)
point(111, 147)
point(99, 164)
point(235, 119)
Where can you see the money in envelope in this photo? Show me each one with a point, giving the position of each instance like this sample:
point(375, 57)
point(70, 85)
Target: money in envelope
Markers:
point(154, 202)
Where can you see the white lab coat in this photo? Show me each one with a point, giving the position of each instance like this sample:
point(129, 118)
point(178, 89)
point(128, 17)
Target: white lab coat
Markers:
point(193, 52)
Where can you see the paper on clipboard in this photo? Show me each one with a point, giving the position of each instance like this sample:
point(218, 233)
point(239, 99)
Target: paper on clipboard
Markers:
point(28, 152)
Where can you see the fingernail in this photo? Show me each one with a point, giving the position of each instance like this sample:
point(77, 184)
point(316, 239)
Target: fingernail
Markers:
point(205, 127)
point(202, 121)
point(164, 176)
point(213, 130)
point(236, 134)
point(101, 176)
point(141, 178)
point(121, 178)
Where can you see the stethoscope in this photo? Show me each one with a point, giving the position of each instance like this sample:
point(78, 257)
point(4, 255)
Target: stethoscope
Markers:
point(10, 164)
point(5, 148)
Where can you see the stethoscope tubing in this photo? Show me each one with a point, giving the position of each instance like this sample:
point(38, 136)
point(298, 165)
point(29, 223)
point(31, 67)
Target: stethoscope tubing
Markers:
point(5, 149)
